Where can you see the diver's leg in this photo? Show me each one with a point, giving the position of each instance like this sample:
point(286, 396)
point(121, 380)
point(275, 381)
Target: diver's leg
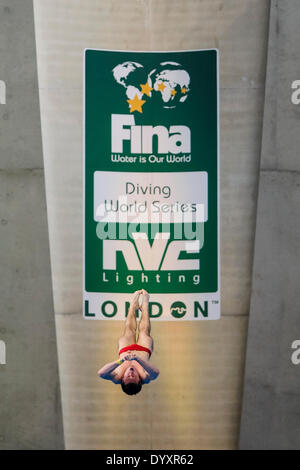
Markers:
point(144, 338)
point(129, 335)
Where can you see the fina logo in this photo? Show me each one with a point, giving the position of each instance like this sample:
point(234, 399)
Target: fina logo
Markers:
point(175, 140)
point(167, 85)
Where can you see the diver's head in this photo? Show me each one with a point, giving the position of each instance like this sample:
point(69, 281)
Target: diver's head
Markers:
point(131, 381)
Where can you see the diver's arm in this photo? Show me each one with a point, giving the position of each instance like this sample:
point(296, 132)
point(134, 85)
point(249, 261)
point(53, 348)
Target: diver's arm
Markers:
point(106, 372)
point(152, 371)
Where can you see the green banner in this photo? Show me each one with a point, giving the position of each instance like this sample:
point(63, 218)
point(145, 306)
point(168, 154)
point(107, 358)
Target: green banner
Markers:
point(151, 208)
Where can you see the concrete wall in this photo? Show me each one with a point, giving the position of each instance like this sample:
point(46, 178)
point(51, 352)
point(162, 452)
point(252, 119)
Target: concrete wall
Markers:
point(271, 405)
point(30, 412)
point(203, 410)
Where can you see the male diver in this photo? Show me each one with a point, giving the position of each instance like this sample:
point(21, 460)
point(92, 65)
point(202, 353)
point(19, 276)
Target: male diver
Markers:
point(132, 370)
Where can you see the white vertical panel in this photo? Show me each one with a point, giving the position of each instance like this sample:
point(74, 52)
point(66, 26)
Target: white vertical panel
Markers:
point(239, 29)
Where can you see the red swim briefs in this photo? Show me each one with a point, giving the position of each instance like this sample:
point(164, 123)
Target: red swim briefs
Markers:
point(135, 347)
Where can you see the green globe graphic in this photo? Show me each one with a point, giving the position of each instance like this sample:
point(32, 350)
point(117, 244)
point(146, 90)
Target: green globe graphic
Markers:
point(167, 85)
point(172, 82)
point(130, 75)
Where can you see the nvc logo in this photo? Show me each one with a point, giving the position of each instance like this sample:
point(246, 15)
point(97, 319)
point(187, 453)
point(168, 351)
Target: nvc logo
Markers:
point(161, 255)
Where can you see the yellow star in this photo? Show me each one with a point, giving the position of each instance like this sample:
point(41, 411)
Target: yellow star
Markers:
point(136, 104)
point(183, 90)
point(173, 92)
point(146, 88)
point(161, 86)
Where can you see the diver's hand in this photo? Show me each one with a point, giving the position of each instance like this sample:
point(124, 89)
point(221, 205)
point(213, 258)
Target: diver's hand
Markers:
point(130, 357)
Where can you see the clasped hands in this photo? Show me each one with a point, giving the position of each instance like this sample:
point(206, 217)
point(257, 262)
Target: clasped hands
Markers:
point(130, 357)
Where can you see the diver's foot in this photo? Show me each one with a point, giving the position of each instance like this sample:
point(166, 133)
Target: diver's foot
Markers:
point(134, 304)
point(145, 297)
